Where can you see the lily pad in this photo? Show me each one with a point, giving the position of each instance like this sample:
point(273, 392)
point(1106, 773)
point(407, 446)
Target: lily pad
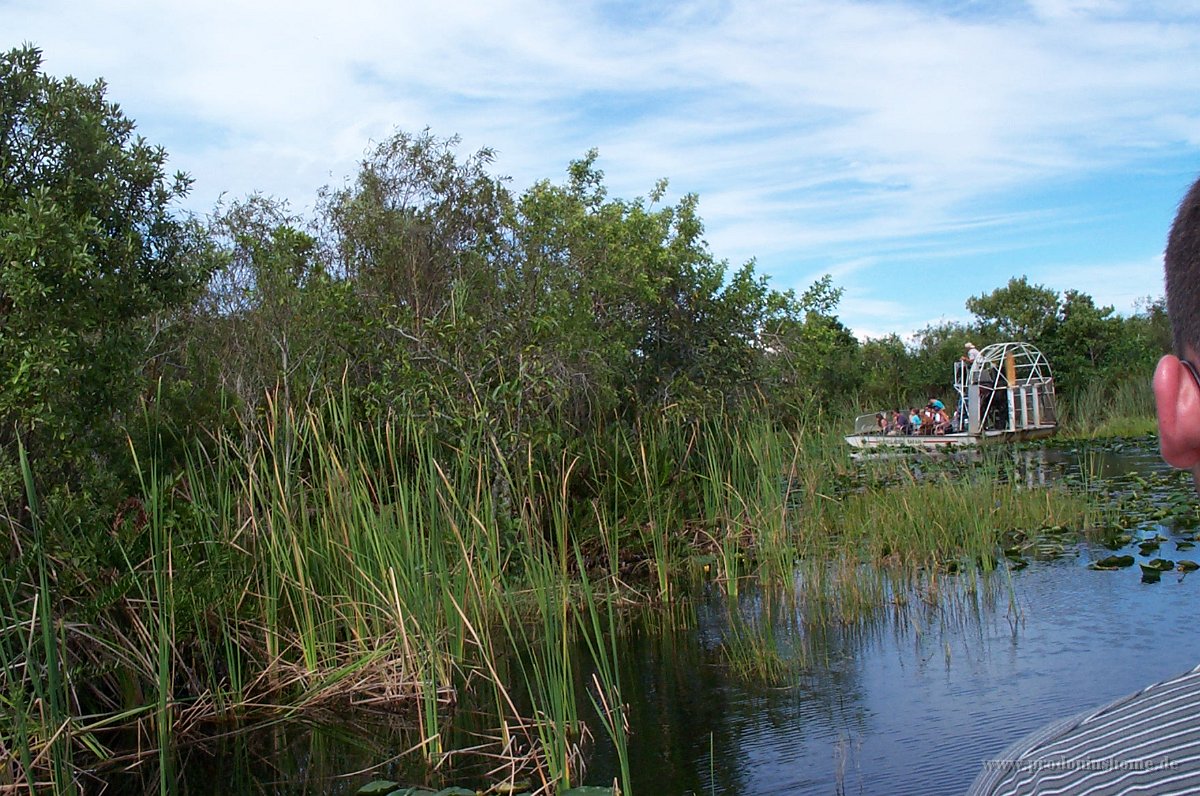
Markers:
point(1184, 545)
point(1115, 542)
point(1114, 562)
point(510, 788)
point(385, 787)
point(1187, 565)
point(379, 787)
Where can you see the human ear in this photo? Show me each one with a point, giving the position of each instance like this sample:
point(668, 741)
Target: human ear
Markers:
point(1177, 397)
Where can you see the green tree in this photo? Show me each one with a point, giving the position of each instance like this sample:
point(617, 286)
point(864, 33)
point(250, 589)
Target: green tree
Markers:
point(1080, 341)
point(938, 347)
point(887, 367)
point(418, 236)
point(272, 316)
point(1017, 311)
point(626, 298)
point(91, 257)
point(811, 357)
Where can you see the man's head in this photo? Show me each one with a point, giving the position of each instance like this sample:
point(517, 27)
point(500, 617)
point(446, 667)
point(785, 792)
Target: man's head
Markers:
point(1176, 388)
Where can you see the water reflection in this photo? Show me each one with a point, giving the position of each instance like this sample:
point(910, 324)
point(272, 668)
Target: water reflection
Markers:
point(912, 702)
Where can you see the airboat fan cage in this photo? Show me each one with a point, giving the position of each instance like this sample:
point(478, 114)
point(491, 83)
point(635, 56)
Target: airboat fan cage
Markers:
point(1009, 388)
point(1029, 365)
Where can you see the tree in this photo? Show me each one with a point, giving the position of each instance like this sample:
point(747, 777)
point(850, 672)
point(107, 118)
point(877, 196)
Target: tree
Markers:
point(1082, 343)
point(887, 370)
point(416, 222)
point(90, 254)
point(1018, 311)
point(417, 237)
point(938, 347)
point(811, 357)
point(271, 316)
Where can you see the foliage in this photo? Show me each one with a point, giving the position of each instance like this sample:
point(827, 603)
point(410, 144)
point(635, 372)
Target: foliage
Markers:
point(1090, 348)
point(272, 317)
point(886, 367)
point(1017, 311)
point(938, 348)
point(559, 307)
point(90, 259)
point(813, 358)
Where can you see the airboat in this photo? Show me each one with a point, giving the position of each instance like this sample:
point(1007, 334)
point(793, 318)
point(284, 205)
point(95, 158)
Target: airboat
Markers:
point(1005, 395)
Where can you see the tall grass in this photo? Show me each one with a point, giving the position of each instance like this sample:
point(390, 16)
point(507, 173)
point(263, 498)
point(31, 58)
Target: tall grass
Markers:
point(310, 558)
point(36, 687)
point(1122, 409)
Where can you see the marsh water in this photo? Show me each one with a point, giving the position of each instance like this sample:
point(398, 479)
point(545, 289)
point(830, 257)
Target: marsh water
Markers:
point(910, 699)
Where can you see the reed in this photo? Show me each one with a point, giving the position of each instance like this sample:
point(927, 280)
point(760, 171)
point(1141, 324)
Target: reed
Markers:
point(43, 673)
point(314, 559)
point(597, 631)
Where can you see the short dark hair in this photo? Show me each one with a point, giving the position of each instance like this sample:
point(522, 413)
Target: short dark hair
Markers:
point(1183, 274)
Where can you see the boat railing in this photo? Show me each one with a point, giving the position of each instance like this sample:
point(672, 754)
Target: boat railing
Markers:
point(868, 424)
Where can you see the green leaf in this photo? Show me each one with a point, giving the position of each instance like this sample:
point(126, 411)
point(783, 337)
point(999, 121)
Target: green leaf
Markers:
point(1114, 562)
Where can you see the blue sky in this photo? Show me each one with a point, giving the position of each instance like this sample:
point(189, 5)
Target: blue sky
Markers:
point(920, 152)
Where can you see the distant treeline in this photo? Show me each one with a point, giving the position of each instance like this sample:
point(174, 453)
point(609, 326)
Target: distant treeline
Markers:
point(424, 288)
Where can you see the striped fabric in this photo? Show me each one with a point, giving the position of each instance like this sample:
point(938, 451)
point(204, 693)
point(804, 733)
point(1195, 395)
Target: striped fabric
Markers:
point(1147, 743)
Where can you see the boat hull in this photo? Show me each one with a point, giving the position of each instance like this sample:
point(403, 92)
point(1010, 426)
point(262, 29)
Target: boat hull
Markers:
point(941, 441)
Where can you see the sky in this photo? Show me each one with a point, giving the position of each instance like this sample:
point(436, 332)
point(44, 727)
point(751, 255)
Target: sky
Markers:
point(919, 151)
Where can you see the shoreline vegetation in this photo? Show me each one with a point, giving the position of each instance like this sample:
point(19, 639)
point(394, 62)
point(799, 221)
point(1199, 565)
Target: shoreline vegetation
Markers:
point(417, 451)
point(319, 562)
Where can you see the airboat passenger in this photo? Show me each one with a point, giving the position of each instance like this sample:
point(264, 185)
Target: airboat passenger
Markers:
point(914, 421)
point(881, 422)
point(941, 422)
point(899, 422)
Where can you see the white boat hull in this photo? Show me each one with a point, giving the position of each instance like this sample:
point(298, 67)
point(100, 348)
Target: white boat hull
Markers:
point(940, 441)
